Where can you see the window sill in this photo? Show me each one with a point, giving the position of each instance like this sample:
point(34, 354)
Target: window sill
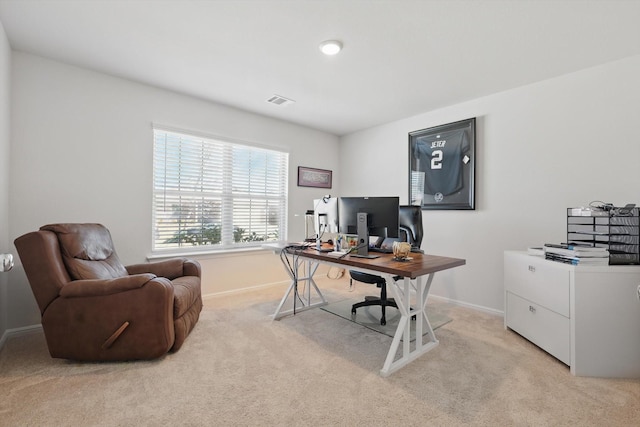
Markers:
point(219, 253)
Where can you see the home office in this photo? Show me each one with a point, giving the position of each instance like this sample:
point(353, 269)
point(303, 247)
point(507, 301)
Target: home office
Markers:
point(77, 147)
point(378, 224)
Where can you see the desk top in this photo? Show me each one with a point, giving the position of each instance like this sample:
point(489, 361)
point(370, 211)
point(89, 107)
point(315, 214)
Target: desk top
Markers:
point(419, 265)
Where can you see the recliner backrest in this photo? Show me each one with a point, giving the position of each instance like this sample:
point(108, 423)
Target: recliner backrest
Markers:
point(410, 220)
point(87, 251)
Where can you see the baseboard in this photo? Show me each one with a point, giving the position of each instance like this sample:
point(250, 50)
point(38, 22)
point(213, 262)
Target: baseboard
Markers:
point(482, 308)
point(25, 330)
point(16, 332)
point(286, 282)
point(247, 289)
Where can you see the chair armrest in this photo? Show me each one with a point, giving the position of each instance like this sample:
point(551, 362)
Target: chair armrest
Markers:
point(102, 287)
point(170, 268)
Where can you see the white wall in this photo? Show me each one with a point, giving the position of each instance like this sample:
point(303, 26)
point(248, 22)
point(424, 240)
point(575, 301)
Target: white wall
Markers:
point(540, 149)
point(5, 244)
point(82, 152)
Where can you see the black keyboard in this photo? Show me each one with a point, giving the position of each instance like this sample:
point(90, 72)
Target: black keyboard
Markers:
point(381, 250)
point(390, 251)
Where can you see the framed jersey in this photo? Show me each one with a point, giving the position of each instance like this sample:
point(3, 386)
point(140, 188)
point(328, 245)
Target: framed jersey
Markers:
point(442, 166)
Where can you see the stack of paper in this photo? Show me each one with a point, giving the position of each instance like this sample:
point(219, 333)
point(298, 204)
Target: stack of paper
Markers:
point(576, 255)
point(537, 251)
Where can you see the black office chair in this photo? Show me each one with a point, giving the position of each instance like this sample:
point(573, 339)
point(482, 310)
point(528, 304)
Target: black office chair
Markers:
point(410, 222)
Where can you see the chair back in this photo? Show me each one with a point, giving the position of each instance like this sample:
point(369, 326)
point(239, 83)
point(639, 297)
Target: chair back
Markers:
point(410, 221)
point(60, 253)
point(87, 251)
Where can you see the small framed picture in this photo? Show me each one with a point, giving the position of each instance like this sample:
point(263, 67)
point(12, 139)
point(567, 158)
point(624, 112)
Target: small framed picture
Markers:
point(442, 166)
point(311, 177)
point(351, 241)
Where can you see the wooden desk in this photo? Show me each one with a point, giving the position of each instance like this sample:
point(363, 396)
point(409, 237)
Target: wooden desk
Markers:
point(417, 275)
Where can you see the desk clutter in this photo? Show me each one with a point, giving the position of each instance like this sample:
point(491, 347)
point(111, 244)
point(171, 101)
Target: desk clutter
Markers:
point(576, 255)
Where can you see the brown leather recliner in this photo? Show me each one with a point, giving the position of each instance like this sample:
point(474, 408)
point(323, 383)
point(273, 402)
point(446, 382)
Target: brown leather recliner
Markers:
point(94, 308)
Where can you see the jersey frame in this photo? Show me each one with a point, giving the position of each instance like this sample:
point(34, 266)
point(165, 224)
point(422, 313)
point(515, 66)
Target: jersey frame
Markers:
point(442, 166)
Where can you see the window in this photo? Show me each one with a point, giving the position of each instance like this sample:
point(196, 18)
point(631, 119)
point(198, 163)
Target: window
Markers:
point(210, 193)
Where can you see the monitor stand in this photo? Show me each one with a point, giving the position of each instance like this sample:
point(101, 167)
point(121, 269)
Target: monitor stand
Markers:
point(363, 237)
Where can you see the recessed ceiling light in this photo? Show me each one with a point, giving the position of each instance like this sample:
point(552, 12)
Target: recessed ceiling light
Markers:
point(330, 47)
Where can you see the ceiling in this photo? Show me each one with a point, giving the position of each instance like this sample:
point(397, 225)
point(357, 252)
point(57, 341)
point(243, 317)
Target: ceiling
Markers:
point(400, 57)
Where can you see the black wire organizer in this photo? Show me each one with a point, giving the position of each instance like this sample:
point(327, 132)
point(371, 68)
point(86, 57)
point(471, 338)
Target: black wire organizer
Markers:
point(616, 229)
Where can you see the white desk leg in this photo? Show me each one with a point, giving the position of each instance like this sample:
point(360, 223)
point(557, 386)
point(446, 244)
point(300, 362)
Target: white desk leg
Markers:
point(277, 315)
point(306, 300)
point(403, 299)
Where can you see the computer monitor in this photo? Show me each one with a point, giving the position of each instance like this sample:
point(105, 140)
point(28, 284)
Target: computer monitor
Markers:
point(325, 214)
point(364, 216)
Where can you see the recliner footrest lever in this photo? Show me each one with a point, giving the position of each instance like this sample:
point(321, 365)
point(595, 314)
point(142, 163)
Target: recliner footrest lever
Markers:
point(114, 336)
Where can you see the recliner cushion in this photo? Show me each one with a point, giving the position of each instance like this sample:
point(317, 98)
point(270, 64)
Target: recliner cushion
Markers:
point(87, 251)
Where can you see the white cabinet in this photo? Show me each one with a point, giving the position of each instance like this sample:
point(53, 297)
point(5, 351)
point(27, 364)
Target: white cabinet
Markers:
point(586, 316)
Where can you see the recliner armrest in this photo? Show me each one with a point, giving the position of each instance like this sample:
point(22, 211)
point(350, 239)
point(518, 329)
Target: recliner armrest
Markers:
point(102, 287)
point(170, 268)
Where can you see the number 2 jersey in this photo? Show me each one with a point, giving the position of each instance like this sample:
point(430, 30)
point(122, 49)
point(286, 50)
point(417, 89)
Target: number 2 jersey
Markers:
point(440, 157)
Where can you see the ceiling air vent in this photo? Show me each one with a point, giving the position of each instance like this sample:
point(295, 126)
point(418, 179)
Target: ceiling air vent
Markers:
point(280, 100)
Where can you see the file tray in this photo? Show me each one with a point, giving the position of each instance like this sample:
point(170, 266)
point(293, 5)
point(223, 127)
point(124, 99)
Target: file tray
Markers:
point(617, 229)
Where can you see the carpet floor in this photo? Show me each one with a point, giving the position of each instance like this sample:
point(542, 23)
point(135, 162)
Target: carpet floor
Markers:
point(240, 368)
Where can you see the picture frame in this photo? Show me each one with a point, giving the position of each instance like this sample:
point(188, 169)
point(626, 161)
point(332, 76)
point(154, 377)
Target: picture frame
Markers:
point(442, 166)
point(312, 177)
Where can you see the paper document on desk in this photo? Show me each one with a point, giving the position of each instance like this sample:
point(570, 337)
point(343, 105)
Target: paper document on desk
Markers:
point(335, 253)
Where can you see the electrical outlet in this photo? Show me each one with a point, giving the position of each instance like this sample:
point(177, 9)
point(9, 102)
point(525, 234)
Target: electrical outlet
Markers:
point(6, 262)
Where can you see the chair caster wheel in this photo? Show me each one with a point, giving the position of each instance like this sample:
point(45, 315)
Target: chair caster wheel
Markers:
point(383, 322)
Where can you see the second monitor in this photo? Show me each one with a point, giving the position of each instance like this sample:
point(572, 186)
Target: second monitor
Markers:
point(365, 216)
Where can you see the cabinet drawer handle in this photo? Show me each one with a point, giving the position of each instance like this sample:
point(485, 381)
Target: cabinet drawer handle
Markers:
point(532, 309)
point(532, 269)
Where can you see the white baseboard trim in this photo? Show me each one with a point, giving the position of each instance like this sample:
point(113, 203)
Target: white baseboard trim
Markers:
point(247, 289)
point(477, 307)
point(482, 308)
point(286, 282)
point(25, 330)
point(16, 332)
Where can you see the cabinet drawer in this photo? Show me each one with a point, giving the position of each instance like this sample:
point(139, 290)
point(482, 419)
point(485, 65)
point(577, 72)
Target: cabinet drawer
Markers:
point(544, 282)
point(546, 329)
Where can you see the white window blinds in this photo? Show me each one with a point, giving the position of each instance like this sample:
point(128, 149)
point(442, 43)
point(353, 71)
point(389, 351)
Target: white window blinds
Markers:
point(215, 194)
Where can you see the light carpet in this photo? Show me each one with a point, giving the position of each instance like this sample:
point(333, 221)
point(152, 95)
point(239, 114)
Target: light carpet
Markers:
point(240, 368)
point(369, 317)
